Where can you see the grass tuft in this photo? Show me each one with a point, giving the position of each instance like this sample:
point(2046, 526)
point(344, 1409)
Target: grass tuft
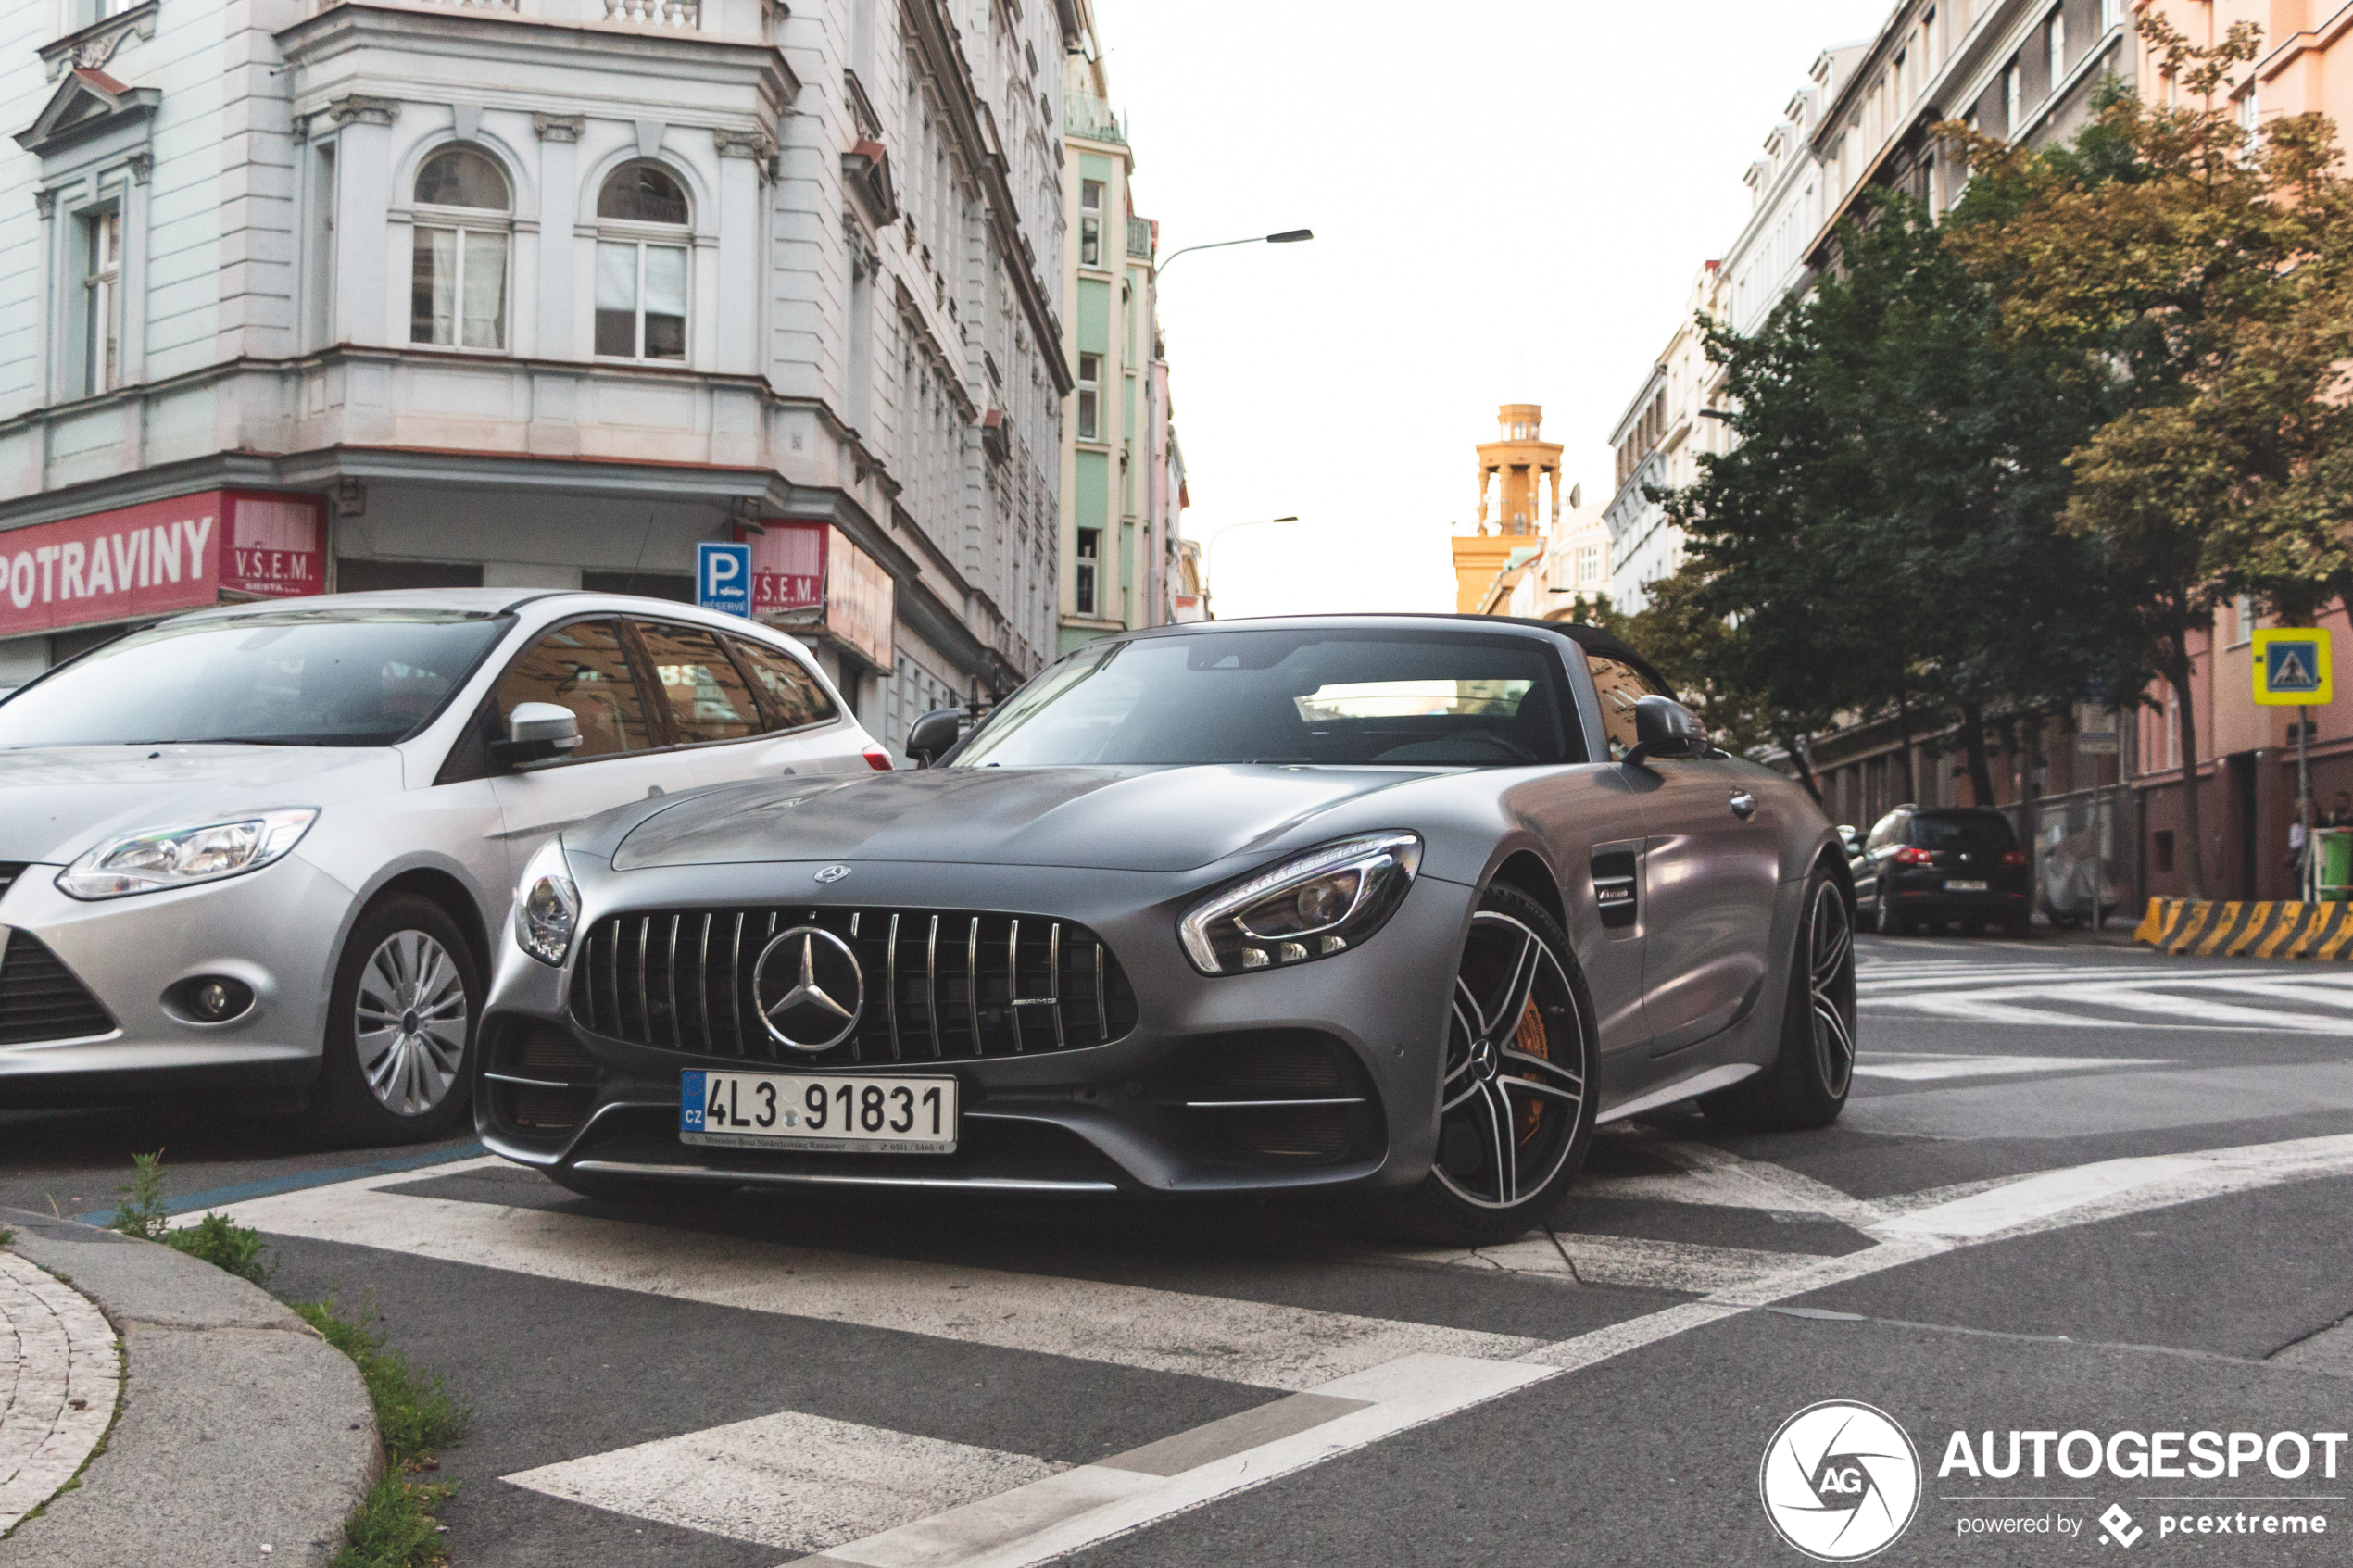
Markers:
point(237, 1250)
point(394, 1527)
point(141, 1213)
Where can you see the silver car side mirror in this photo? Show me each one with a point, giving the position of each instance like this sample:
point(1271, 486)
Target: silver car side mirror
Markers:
point(538, 731)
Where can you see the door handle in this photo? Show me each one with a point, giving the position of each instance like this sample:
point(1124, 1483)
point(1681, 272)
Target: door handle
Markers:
point(1743, 805)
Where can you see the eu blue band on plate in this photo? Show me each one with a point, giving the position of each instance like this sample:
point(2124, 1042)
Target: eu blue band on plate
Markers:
point(690, 1086)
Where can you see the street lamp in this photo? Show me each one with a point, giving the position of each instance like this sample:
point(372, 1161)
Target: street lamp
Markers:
point(1209, 545)
point(1288, 237)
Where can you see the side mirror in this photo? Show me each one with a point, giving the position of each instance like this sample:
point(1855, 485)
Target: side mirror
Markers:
point(1664, 727)
point(935, 733)
point(538, 731)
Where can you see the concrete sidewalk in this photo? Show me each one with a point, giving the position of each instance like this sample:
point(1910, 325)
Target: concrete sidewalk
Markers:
point(241, 1432)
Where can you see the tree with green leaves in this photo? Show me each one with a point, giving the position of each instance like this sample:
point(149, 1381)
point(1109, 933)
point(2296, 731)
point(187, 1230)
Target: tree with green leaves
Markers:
point(2194, 274)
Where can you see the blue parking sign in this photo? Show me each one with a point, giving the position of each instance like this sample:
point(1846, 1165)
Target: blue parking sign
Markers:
point(722, 578)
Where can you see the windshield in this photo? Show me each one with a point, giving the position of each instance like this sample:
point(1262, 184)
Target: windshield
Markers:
point(1986, 834)
point(1438, 699)
point(282, 678)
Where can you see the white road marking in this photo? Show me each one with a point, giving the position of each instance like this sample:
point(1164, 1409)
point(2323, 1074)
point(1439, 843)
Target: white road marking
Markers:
point(1076, 1507)
point(1276, 1346)
point(800, 1482)
point(1923, 1069)
point(1096, 1503)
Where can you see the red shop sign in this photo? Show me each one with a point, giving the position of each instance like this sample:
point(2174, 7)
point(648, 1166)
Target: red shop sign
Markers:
point(160, 556)
point(788, 566)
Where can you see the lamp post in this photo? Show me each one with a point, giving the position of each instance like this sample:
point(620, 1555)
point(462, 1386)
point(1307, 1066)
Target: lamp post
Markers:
point(1288, 237)
point(1209, 547)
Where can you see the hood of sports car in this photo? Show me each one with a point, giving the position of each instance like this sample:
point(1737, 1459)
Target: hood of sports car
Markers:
point(1109, 819)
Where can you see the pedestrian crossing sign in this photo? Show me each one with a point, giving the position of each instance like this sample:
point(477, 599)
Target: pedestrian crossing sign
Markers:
point(2291, 666)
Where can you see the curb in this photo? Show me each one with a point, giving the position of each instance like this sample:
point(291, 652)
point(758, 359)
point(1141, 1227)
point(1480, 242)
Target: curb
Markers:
point(240, 1429)
point(2226, 928)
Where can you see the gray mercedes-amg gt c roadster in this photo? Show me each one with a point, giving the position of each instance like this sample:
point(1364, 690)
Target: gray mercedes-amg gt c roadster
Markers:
point(1399, 908)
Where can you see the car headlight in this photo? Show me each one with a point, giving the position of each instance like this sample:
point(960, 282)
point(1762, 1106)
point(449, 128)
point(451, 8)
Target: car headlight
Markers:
point(546, 906)
point(1310, 907)
point(183, 855)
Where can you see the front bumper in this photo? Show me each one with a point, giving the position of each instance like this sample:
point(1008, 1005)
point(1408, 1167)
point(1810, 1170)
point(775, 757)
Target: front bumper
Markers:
point(1152, 1112)
point(276, 930)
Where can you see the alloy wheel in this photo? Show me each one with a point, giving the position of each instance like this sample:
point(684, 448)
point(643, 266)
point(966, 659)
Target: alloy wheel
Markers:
point(1829, 986)
point(409, 1023)
point(1514, 1086)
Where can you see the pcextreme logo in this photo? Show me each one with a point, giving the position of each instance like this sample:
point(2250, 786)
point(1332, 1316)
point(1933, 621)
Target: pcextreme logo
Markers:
point(1840, 1481)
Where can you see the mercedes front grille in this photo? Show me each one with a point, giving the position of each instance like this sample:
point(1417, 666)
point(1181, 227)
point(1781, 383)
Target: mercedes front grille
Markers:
point(940, 985)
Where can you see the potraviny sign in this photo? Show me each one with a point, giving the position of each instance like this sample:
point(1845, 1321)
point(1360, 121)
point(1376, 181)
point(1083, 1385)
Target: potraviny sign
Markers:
point(159, 556)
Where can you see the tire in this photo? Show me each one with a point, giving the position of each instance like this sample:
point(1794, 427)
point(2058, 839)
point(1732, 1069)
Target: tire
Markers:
point(1889, 923)
point(404, 1081)
point(1514, 1118)
point(624, 1189)
point(1811, 1074)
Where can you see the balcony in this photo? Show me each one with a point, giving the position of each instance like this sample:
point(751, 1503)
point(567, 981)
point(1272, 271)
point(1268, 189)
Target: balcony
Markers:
point(1090, 119)
point(1140, 238)
point(675, 16)
point(684, 14)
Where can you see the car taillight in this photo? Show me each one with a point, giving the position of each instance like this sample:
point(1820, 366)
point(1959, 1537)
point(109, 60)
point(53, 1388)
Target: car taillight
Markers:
point(2013, 857)
point(878, 759)
point(1909, 855)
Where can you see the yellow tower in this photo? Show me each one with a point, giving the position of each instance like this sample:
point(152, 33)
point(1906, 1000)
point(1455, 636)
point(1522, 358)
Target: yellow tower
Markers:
point(1515, 464)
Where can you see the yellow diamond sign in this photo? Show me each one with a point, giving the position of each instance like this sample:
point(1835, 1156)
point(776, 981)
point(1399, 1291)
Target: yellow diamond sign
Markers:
point(2291, 667)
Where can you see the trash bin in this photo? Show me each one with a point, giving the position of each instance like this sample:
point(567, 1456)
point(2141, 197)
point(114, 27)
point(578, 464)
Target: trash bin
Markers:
point(2336, 864)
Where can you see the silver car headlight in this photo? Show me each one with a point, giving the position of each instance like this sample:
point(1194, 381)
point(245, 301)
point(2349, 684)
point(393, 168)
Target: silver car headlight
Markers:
point(546, 906)
point(183, 856)
point(1310, 907)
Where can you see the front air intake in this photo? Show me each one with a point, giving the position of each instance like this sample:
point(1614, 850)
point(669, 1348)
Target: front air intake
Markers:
point(40, 999)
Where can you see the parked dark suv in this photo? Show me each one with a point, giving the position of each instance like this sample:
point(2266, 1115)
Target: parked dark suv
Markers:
point(1928, 865)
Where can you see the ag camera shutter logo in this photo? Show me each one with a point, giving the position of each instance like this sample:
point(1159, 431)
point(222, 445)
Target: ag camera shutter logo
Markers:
point(1840, 1481)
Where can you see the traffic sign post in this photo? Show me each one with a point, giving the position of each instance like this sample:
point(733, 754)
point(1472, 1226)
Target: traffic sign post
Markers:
point(722, 578)
point(2292, 670)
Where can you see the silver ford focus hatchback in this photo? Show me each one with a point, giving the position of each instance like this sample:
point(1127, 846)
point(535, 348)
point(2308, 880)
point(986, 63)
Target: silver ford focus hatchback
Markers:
point(269, 849)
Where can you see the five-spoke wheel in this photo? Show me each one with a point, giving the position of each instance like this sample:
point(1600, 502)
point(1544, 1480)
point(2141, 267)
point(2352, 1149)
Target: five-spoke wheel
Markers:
point(1809, 1077)
point(1515, 1096)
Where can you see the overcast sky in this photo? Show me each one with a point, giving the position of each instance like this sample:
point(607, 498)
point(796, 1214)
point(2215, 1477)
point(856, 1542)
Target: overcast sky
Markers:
point(1510, 200)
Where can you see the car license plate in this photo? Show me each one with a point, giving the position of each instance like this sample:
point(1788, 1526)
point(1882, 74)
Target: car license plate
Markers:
point(1964, 887)
point(825, 1115)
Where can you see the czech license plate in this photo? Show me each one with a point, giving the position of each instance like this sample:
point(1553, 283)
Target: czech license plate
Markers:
point(821, 1114)
point(1964, 887)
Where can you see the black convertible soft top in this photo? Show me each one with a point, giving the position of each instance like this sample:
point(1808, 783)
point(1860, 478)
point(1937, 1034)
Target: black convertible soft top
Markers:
point(1592, 639)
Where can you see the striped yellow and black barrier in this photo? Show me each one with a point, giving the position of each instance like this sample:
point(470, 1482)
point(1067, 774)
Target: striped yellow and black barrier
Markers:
point(2228, 928)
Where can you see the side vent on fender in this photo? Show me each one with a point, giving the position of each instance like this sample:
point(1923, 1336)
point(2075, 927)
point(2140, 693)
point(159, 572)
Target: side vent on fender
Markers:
point(1614, 888)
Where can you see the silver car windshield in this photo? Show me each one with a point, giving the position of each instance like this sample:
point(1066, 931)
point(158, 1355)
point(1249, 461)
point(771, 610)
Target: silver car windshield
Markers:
point(1389, 697)
point(278, 678)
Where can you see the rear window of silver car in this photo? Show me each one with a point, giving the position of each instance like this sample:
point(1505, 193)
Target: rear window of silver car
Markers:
point(1340, 698)
point(272, 678)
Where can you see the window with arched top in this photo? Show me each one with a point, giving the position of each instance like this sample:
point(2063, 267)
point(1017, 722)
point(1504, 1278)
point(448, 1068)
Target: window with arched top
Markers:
point(642, 240)
point(463, 218)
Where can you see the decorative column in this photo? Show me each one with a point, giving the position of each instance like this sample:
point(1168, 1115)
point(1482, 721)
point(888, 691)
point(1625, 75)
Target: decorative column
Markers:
point(370, 295)
point(743, 168)
point(558, 246)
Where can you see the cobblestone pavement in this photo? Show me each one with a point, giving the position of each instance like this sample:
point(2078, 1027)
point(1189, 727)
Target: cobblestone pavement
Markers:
point(59, 1371)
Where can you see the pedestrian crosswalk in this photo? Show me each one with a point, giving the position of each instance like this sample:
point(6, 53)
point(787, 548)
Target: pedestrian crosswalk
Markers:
point(2140, 993)
point(1314, 1351)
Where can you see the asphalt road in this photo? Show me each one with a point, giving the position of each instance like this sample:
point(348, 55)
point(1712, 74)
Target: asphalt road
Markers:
point(2078, 1191)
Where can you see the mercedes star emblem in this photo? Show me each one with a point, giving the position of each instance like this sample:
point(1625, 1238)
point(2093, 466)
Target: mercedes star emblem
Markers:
point(808, 988)
point(833, 873)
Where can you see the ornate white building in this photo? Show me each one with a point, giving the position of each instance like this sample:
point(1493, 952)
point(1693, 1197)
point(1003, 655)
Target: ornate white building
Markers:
point(544, 292)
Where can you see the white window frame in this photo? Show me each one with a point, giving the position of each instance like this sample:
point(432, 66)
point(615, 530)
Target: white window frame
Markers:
point(465, 221)
point(1091, 429)
point(100, 299)
point(644, 237)
point(1091, 223)
point(2013, 100)
point(2055, 38)
point(1086, 576)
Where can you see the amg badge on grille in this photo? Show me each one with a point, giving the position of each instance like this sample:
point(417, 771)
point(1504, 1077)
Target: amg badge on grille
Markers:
point(833, 873)
point(808, 987)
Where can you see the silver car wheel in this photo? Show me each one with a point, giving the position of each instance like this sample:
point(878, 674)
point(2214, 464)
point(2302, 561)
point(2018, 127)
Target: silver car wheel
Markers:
point(1511, 1104)
point(409, 1023)
point(1830, 986)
